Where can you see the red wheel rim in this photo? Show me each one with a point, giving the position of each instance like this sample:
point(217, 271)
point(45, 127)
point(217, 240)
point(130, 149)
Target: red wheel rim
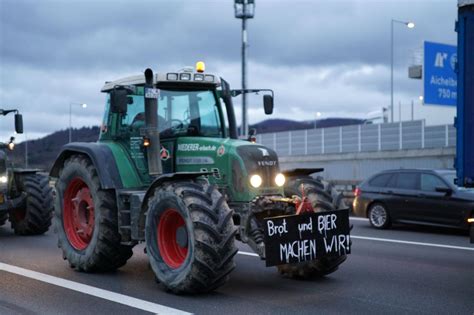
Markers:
point(78, 214)
point(171, 223)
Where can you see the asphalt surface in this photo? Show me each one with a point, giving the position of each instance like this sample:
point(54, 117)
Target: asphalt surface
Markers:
point(379, 276)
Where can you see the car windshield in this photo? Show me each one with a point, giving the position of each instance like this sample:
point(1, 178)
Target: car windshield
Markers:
point(180, 113)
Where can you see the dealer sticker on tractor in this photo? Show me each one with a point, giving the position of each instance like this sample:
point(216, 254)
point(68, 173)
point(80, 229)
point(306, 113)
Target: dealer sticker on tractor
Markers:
point(305, 237)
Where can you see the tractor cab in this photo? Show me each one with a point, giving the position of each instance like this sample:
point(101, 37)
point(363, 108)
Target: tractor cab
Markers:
point(193, 125)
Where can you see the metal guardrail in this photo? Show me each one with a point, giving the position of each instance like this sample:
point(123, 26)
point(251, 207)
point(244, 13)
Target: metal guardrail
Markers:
point(360, 138)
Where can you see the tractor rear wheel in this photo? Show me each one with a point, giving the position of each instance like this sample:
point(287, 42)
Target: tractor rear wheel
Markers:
point(324, 197)
point(34, 217)
point(190, 237)
point(86, 219)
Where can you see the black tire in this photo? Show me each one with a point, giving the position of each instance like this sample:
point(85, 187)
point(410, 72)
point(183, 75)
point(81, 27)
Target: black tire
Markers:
point(3, 218)
point(324, 197)
point(207, 247)
point(34, 217)
point(103, 250)
point(379, 216)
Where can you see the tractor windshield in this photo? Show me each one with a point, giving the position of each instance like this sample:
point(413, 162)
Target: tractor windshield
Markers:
point(180, 113)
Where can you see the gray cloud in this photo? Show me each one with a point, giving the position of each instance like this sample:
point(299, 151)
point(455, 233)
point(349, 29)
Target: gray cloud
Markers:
point(318, 56)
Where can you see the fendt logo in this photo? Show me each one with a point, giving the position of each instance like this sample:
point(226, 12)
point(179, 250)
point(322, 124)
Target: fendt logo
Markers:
point(264, 152)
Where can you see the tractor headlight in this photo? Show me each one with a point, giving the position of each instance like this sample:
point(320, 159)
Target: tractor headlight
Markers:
point(3, 179)
point(255, 181)
point(280, 180)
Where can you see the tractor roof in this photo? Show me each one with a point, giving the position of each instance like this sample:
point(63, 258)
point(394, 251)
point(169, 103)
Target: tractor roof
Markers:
point(185, 76)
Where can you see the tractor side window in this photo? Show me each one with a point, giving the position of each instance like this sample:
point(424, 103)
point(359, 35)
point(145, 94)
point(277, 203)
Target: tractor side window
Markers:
point(135, 116)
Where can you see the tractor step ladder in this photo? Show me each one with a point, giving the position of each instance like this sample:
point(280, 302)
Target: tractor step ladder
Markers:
point(129, 205)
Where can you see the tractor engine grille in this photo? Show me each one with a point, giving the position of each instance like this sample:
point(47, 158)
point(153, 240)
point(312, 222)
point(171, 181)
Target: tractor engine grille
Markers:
point(262, 161)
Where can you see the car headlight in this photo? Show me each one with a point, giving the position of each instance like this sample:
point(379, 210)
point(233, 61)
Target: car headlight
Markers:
point(3, 179)
point(280, 180)
point(256, 181)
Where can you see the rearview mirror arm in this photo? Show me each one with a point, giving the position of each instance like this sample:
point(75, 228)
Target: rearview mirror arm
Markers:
point(235, 93)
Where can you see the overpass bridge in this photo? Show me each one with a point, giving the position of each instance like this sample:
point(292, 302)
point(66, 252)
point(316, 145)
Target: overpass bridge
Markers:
point(352, 153)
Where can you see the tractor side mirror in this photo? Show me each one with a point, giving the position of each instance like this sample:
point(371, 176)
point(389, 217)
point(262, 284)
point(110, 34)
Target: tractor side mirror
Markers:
point(119, 100)
point(18, 123)
point(268, 104)
point(225, 93)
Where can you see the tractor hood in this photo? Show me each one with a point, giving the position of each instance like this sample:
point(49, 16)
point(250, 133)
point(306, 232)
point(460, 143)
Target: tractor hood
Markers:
point(232, 163)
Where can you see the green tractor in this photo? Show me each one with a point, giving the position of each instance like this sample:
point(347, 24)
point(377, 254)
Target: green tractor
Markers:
point(26, 199)
point(169, 170)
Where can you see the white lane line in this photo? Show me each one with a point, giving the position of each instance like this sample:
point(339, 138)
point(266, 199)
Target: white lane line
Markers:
point(90, 290)
point(410, 243)
point(389, 241)
point(358, 219)
point(247, 253)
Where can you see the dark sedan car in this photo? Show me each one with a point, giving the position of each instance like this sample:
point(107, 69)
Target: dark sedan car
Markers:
point(414, 196)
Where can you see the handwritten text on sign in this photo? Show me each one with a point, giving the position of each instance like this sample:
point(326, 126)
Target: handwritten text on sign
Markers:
point(306, 237)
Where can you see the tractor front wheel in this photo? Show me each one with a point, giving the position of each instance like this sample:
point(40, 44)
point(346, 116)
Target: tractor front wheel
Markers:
point(86, 219)
point(323, 197)
point(190, 237)
point(34, 216)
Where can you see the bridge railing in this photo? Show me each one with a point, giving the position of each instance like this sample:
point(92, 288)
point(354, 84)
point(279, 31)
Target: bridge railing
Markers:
point(360, 138)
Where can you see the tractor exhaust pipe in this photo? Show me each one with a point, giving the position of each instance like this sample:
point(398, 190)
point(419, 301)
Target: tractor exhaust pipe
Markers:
point(151, 126)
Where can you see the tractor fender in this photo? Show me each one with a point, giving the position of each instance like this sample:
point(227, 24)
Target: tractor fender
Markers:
point(101, 157)
point(156, 183)
point(296, 172)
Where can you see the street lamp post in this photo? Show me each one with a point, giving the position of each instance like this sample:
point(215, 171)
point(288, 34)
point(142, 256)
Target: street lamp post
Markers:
point(409, 25)
point(83, 105)
point(318, 114)
point(244, 9)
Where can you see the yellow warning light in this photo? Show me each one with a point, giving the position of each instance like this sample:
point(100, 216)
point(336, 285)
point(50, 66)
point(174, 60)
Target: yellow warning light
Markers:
point(200, 66)
point(146, 142)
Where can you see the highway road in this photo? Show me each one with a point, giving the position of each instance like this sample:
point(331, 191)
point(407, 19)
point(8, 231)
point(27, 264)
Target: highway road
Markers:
point(402, 270)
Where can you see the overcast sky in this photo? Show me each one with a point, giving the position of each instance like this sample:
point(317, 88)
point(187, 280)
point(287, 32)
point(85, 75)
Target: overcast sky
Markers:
point(331, 57)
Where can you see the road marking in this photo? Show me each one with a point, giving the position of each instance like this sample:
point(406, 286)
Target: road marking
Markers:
point(358, 219)
point(410, 242)
point(90, 290)
point(247, 254)
point(389, 241)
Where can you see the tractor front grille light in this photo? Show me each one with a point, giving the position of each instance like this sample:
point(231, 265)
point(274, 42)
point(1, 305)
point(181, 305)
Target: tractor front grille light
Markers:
point(3, 179)
point(280, 180)
point(256, 181)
